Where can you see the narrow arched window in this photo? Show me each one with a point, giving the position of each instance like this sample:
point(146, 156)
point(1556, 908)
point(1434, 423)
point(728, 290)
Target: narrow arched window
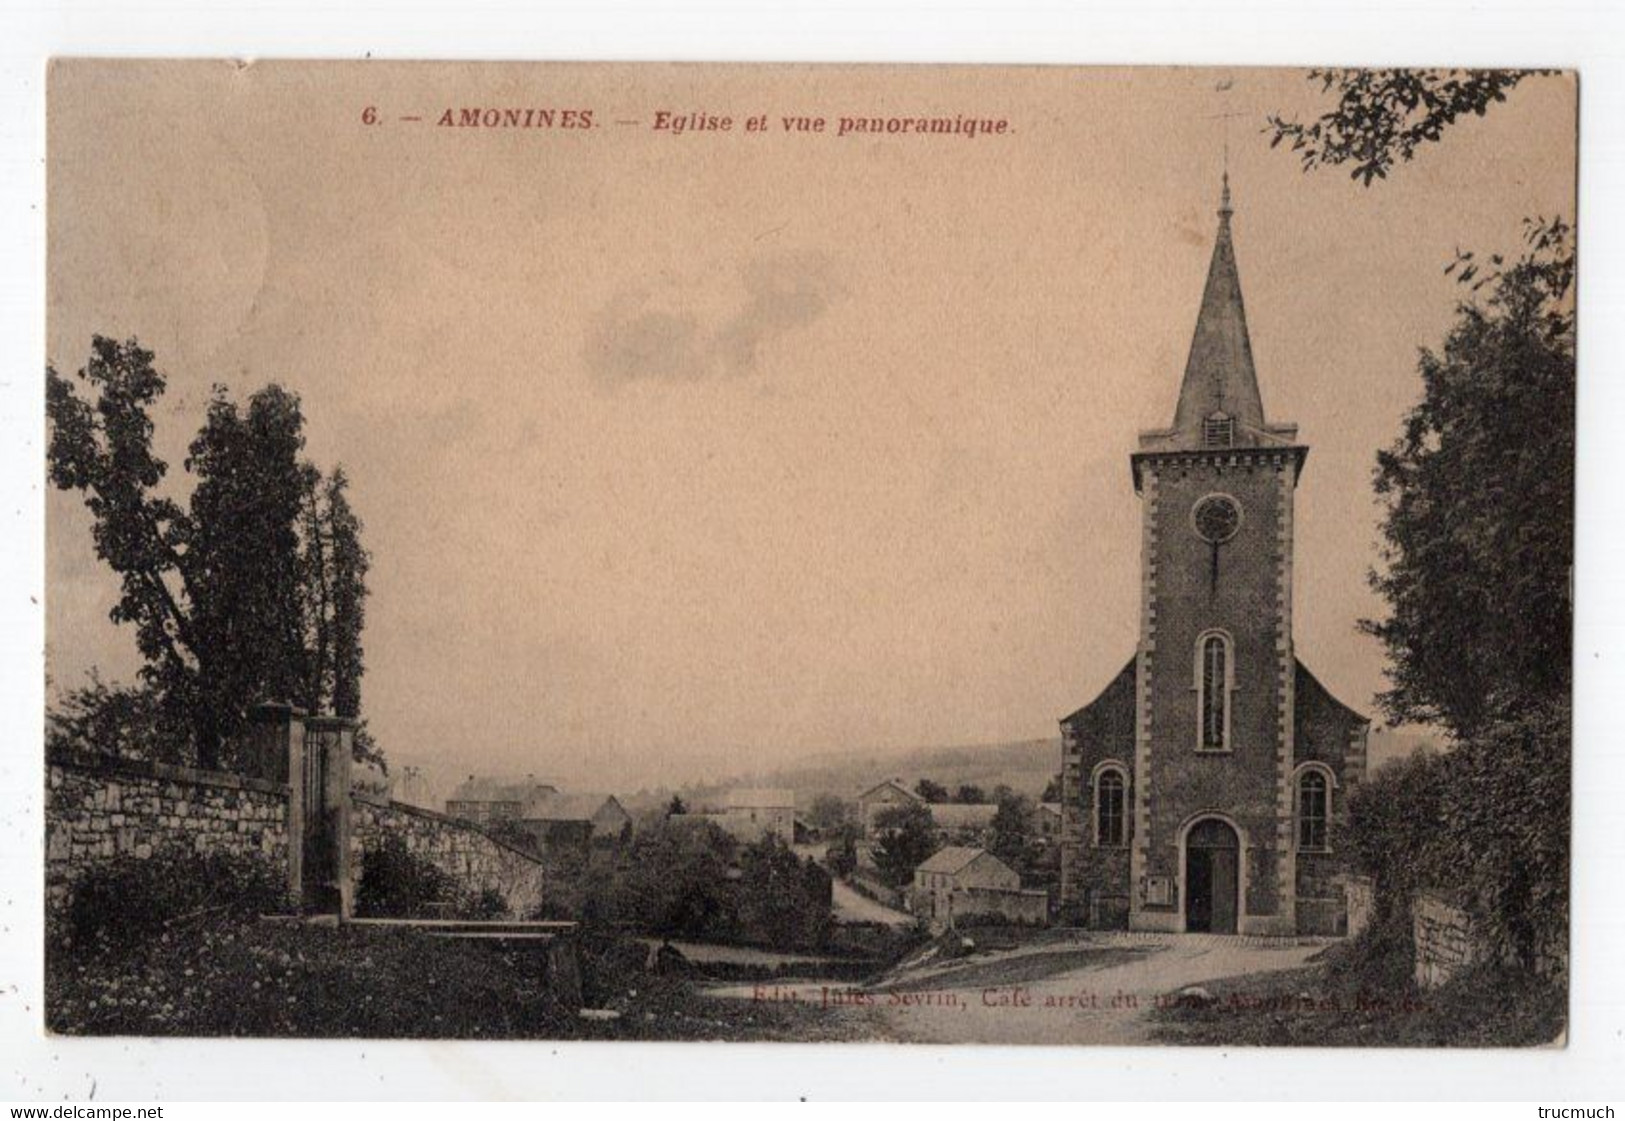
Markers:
point(1111, 805)
point(1213, 685)
point(1314, 805)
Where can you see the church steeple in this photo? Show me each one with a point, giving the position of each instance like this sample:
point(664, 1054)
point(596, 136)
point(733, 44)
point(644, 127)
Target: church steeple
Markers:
point(1220, 383)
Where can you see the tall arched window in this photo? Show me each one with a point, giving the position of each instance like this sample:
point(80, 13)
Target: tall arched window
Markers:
point(1111, 809)
point(1213, 676)
point(1314, 807)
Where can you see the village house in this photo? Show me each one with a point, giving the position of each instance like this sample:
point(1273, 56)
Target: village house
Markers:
point(956, 823)
point(555, 819)
point(1202, 787)
point(753, 814)
point(748, 815)
point(960, 882)
point(486, 801)
point(549, 816)
point(883, 796)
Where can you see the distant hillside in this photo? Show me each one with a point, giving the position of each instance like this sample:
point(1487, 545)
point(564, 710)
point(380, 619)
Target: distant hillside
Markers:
point(1025, 766)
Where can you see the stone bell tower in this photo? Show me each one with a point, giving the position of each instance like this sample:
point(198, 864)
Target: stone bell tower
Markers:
point(1213, 749)
point(1200, 787)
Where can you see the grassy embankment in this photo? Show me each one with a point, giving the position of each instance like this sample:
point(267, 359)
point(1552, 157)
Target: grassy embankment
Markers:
point(1360, 994)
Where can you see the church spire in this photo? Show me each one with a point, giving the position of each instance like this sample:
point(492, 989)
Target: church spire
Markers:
point(1220, 383)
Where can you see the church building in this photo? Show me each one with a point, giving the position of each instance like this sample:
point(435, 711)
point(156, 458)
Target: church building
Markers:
point(1201, 788)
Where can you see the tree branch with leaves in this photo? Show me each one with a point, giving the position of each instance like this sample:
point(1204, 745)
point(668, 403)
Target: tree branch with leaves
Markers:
point(1382, 117)
point(227, 593)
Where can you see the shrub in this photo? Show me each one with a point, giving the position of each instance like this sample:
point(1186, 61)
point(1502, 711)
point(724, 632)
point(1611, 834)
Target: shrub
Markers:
point(1489, 821)
point(1396, 832)
point(125, 721)
point(398, 883)
point(1380, 960)
point(487, 904)
point(1506, 812)
point(126, 901)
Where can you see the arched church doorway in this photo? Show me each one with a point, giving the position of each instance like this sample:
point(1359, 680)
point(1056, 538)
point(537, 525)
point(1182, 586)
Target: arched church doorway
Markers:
point(1212, 877)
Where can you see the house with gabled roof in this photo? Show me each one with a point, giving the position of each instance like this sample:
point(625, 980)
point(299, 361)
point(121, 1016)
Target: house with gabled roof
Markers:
point(485, 800)
point(883, 796)
point(961, 882)
point(554, 818)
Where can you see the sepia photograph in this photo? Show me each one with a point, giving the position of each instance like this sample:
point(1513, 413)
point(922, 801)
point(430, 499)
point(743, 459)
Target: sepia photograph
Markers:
point(809, 553)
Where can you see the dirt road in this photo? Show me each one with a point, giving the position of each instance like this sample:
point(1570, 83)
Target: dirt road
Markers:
point(849, 906)
point(1089, 988)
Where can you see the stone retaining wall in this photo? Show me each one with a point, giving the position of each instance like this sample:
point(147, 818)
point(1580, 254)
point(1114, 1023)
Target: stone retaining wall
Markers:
point(1360, 900)
point(1444, 938)
point(478, 860)
point(1444, 935)
point(1012, 904)
point(98, 809)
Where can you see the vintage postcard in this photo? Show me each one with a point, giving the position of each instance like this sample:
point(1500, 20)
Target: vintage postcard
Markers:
point(977, 554)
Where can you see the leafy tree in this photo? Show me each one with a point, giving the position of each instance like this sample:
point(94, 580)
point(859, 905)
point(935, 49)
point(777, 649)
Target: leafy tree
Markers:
point(1478, 551)
point(677, 807)
point(841, 856)
point(933, 792)
point(905, 836)
point(783, 900)
point(103, 447)
point(1011, 830)
point(1479, 496)
point(675, 881)
point(828, 812)
point(120, 720)
point(221, 592)
point(1383, 116)
point(970, 795)
point(1477, 562)
point(334, 567)
point(241, 557)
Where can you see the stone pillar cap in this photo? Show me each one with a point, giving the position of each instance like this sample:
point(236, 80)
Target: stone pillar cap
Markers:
point(274, 710)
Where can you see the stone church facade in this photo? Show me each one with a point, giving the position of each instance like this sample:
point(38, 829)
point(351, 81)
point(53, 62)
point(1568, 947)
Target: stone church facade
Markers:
point(1202, 788)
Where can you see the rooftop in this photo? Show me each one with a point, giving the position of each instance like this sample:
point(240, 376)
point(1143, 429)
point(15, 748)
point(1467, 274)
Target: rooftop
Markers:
point(954, 858)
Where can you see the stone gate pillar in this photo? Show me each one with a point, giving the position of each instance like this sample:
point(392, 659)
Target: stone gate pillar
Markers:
point(274, 748)
point(329, 747)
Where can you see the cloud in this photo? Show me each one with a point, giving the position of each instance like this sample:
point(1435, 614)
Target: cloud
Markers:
point(638, 336)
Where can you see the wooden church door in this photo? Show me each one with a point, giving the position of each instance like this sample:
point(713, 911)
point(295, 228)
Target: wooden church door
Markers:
point(1212, 878)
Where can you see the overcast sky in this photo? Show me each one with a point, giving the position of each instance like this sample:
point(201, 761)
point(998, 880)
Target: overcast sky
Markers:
point(681, 451)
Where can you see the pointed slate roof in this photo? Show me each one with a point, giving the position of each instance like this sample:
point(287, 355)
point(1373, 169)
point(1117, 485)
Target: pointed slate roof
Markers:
point(1219, 374)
